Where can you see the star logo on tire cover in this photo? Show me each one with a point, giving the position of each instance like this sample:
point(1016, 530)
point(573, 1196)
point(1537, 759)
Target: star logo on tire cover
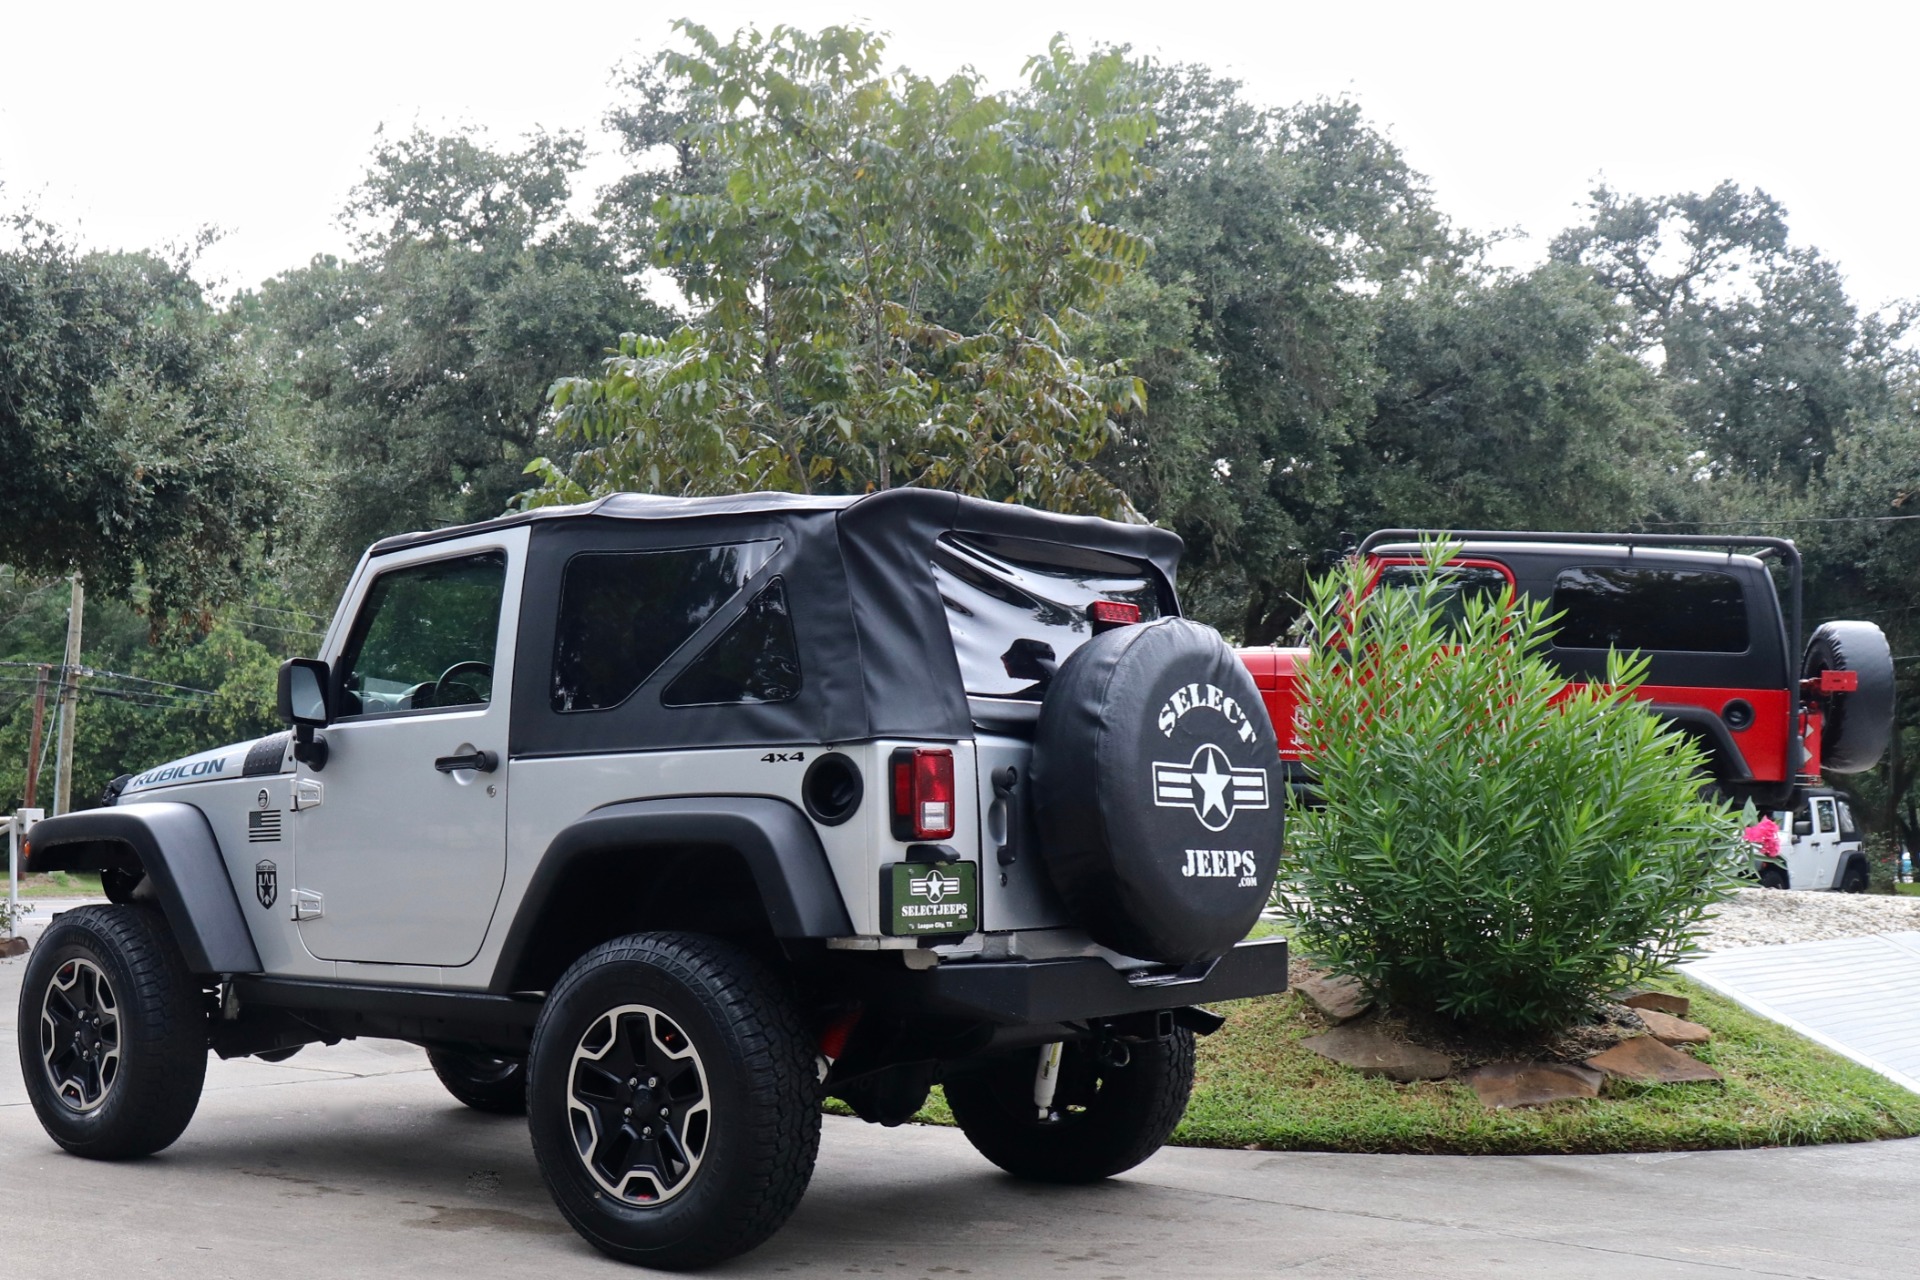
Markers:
point(1210, 786)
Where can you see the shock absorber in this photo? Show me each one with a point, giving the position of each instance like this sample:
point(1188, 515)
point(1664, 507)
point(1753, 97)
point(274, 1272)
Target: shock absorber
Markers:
point(1046, 1078)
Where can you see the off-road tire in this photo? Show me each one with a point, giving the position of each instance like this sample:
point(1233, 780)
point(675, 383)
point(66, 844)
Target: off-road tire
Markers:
point(1855, 878)
point(483, 1082)
point(159, 1031)
point(1773, 877)
point(757, 1069)
point(1110, 1119)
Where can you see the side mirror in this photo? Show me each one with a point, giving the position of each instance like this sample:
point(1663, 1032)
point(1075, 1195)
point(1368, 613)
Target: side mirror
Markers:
point(304, 704)
point(1803, 826)
point(303, 693)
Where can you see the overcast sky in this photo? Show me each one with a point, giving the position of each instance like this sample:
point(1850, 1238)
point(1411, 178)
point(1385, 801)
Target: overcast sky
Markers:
point(134, 124)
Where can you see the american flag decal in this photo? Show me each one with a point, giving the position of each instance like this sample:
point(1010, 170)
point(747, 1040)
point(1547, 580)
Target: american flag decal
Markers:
point(263, 828)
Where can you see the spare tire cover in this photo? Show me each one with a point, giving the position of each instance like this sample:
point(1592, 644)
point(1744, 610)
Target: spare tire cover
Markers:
point(1157, 792)
point(1857, 726)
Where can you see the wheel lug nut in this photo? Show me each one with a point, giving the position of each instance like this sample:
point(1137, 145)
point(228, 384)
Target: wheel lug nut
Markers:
point(652, 1081)
point(633, 1084)
point(647, 1132)
point(628, 1111)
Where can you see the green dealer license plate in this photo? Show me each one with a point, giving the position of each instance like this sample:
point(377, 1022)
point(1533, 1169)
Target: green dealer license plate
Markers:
point(925, 897)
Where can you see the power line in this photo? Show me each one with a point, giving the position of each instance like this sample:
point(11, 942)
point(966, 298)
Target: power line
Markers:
point(1735, 524)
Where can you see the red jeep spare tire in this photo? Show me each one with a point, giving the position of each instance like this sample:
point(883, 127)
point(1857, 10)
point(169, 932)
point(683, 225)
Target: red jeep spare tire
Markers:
point(1157, 794)
point(1858, 725)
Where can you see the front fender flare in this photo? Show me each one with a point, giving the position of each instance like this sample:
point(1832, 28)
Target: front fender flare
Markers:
point(173, 844)
point(779, 845)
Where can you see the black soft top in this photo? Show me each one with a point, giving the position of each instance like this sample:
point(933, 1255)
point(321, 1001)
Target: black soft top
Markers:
point(876, 653)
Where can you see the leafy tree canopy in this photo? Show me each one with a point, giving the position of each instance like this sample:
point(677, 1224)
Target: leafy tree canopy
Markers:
point(890, 275)
point(417, 371)
point(128, 425)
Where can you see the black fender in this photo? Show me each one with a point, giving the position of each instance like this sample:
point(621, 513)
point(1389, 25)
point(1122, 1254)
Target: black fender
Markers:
point(173, 844)
point(1723, 754)
point(777, 842)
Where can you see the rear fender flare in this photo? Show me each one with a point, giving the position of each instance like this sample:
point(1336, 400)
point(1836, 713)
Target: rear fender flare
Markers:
point(776, 841)
point(176, 848)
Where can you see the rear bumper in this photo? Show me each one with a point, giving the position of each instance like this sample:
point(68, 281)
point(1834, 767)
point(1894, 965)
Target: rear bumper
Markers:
point(1030, 992)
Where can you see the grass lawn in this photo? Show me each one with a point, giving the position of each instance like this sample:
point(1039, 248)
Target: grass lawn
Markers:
point(1911, 890)
point(59, 884)
point(1257, 1088)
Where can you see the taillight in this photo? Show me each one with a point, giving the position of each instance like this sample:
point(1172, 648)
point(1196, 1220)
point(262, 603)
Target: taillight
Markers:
point(1107, 614)
point(922, 793)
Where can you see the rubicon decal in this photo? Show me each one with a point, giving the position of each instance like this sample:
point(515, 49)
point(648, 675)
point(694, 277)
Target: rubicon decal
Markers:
point(1192, 697)
point(199, 769)
point(1210, 786)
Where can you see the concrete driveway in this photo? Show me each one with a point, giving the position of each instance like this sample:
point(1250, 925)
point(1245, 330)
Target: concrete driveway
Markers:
point(352, 1162)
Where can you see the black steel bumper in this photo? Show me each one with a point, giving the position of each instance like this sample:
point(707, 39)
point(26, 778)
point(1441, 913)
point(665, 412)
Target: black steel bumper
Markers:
point(1027, 992)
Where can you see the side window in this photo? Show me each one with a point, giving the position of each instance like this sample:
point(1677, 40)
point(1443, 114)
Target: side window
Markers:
point(425, 637)
point(1823, 817)
point(1848, 829)
point(1684, 610)
point(1459, 583)
point(623, 613)
point(753, 660)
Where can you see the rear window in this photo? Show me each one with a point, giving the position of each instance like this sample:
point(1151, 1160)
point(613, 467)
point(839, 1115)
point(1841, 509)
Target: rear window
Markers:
point(623, 613)
point(1459, 583)
point(1629, 607)
point(1016, 609)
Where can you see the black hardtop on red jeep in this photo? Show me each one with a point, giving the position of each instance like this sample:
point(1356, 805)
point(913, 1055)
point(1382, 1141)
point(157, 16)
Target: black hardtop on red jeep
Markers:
point(662, 819)
point(1725, 664)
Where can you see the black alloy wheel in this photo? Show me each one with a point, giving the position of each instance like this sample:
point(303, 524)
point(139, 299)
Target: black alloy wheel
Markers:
point(638, 1101)
point(80, 1035)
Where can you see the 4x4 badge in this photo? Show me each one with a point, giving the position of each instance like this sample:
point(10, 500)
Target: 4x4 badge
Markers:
point(266, 882)
point(1210, 786)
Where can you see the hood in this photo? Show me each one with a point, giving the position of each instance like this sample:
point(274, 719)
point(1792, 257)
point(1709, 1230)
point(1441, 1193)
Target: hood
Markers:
point(210, 766)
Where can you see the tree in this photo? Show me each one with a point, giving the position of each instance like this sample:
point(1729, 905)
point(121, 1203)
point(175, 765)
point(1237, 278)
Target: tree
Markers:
point(1508, 402)
point(888, 284)
point(418, 369)
point(1256, 329)
point(1765, 358)
point(128, 425)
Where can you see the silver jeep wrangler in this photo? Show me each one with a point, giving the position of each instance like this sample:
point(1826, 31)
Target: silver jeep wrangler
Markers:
point(661, 820)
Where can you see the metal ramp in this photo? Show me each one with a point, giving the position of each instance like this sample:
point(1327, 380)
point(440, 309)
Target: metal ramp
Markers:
point(1859, 997)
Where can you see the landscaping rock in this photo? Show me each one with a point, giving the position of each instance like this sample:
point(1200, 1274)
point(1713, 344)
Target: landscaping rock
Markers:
point(1375, 1053)
point(1645, 1060)
point(1678, 1006)
point(1674, 1031)
point(1532, 1084)
point(12, 947)
point(1337, 999)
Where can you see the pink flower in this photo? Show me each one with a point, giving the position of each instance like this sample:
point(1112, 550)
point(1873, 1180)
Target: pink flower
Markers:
point(1765, 834)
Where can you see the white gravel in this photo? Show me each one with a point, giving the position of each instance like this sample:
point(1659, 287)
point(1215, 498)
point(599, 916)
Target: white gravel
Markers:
point(1760, 917)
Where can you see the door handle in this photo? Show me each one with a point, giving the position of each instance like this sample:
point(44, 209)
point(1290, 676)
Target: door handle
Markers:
point(478, 761)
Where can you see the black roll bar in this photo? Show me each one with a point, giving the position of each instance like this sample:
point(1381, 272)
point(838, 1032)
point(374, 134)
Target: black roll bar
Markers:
point(1783, 547)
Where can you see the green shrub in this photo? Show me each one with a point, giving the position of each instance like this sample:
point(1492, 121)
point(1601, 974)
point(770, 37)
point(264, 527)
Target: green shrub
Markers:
point(1488, 849)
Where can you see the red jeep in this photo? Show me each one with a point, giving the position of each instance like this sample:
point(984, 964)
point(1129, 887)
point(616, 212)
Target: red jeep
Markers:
point(1708, 617)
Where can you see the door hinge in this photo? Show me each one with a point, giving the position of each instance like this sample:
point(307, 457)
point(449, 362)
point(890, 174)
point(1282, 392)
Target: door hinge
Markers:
point(307, 794)
point(307, 905)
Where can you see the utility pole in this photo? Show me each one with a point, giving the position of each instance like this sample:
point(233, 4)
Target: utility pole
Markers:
point(33, 743)
point(69, 694)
